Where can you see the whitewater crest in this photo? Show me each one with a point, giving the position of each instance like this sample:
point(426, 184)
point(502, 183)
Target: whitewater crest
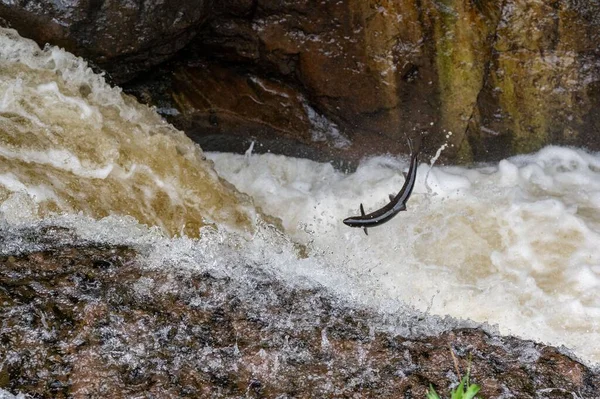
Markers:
point(513, 244)
point(70, 143)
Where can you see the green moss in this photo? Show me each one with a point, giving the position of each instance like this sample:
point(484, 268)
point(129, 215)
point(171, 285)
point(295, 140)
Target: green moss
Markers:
point(4, 378)
point(538, 79)
point(462, 51)
point(521, 98)
point(464, 154)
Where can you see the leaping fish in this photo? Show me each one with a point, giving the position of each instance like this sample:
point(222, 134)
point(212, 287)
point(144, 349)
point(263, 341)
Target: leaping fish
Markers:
point(397, 203)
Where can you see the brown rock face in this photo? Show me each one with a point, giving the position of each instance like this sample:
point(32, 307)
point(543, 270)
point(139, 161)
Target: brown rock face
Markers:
point(123, 37)
point(89, 321)
point(215, 104)
point(542, 84)
point(380, 71)
point(504, 78)
point(355, 63)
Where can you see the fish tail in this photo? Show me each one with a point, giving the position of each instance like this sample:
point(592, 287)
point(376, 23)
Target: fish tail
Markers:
point(414, 149)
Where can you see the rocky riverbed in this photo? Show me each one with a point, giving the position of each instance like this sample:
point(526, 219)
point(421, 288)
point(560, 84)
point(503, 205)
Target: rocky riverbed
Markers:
point(80, 319)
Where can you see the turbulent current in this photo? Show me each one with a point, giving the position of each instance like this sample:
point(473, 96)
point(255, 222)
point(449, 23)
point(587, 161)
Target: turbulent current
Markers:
point(513, 244)
point(71, 143)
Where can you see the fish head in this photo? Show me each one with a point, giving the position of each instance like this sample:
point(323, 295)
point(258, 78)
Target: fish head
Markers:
point(352, 222)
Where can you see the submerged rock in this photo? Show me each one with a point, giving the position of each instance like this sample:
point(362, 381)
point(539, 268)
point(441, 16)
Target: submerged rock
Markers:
point(91, 321)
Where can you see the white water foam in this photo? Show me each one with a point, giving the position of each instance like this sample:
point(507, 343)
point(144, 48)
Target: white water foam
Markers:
point(231, 254)
point(72, 143)
point(514, 244)
point(7, 395)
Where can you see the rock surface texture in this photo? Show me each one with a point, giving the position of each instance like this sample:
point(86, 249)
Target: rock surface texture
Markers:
point(350, 78)
point(503, 77)
point(89, 321)
point(122, 37)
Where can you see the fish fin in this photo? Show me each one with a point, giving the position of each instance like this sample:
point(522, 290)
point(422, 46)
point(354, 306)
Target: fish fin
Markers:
point(405, 175)
point(403, 208)
point(362, 210)
point(391, 196)
point(365, 229)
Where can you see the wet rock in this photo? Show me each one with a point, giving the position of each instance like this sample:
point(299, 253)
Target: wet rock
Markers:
point(224, 110)
point(504, 78)
point(122, 37)
point(542, 83)
point(215, 100)
point(377, 71)
point(90, 321)
point(341, 58)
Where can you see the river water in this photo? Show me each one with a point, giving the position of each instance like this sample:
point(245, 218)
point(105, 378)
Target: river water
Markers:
point(514, 244)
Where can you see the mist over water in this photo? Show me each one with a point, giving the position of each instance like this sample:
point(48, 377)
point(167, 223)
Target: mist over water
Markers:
point(514, 244)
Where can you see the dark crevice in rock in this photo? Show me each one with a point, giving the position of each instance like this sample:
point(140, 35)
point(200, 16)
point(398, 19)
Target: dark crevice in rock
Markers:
point(474, 138)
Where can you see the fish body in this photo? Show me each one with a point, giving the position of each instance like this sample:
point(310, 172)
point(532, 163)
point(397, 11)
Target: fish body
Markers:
point(396, 204)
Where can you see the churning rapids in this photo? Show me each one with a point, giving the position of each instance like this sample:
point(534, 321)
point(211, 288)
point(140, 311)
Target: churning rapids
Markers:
point(513, 244)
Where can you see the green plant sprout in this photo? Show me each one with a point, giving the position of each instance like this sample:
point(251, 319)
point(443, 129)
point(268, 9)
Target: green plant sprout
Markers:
point(464, 390)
